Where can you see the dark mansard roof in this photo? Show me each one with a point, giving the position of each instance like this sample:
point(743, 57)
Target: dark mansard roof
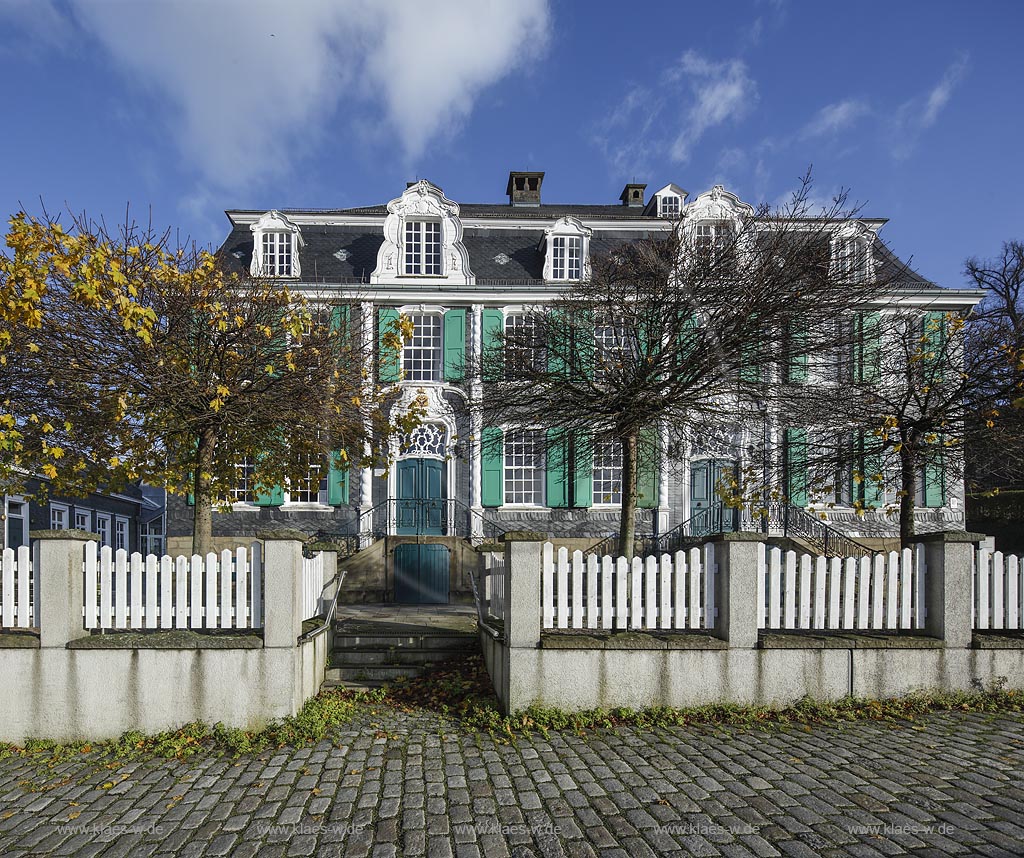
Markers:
point(345, 254)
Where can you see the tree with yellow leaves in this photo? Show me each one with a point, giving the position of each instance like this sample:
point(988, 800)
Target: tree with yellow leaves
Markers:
point(124, 358)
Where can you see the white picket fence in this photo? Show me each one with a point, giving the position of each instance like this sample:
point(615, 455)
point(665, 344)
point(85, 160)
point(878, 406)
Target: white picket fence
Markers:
point(220, 591)
point(18, 585)
point(998, 593)
point(312, 585)
point(881, 592)
point(494, 585)
point(666, 592)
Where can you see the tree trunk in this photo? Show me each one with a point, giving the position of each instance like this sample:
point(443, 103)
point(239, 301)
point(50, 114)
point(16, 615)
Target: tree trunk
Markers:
point(908, 494)
point(627, 517)
point(202, 510)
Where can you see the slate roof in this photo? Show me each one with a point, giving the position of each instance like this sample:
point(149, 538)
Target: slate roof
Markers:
point(348, 254)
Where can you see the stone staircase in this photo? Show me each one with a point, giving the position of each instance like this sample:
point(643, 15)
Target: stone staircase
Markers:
point(370, 653)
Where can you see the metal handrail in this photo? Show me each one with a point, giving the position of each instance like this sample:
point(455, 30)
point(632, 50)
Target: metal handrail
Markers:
point(830, 541)
point(339, 577)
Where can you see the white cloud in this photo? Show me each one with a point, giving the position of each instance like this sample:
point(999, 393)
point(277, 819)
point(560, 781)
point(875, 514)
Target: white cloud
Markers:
point(721, 91)
point(919, 113)
point(835, 117)
point(939, 97)
point(252, 84)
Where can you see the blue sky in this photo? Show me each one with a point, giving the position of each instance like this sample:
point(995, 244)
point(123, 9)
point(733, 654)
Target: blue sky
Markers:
point(186, 108)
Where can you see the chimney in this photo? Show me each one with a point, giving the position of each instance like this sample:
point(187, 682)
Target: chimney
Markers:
point(633, 195)
point(524, 188)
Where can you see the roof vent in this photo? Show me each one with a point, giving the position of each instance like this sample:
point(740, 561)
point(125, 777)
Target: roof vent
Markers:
point(633, 195)
point(524, 188)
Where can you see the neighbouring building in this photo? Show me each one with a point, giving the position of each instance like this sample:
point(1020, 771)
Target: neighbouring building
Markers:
point(131, 519)
point(462, 272)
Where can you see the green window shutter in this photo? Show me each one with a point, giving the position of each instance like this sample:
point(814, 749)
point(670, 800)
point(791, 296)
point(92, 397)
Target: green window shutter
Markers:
point(387, 362)
point(454, 344)
point(935, 481)
point(933, 334)
point(796, 466)
point(337, 480)
point(492, 327)
point(585, 346)
point(750, 366)
point(647, 469)
point(557, 469)
point(583, 470)
point(275, 497)
point(340, 316)
point(560, 347)
point(687, 336)
point(492, 467)
point(796, 357)
point(874, 492)
point(869, 347)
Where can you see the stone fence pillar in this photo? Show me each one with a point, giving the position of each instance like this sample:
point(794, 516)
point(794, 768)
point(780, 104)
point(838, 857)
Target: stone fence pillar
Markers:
point(523, 565)
point(736, 555)
point(949, 582)
point(282, 588)
point(60, 588)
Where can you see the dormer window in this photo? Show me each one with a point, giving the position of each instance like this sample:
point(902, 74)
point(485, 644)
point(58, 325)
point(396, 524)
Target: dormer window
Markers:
point(275, 248)
point(422, 248)
point(713, 236)
point(566, 257)
point(850, 259)
point(277, 254)
point(668, 206)
point(567, 250)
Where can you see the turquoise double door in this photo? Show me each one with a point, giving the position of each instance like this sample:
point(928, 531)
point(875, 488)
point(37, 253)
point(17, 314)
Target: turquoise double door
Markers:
point(705, 501)
point(421, 569)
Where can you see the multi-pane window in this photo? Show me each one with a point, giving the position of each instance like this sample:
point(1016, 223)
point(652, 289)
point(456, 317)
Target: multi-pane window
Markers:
point(566, 257)
point(58, 517)
point(521, 350)
point(668, 206)
point(121, 533)
point(609, 341)
point(277, 254)
point(103, 528)
point(524, 467)
point(313, 489)
point(83, 520)
point(713, 236)
point(851, 259)
point(422, 357)
point(607, 472)
point(242, 491)
point(423, 247)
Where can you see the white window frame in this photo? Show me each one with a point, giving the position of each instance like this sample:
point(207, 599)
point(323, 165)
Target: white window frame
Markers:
point(606, 479)
point(286, 239)
point(851, 258)
point(103, 527)
point(277, 253)
point(9, 518)
point(121, 525)
point(423, 362)
point(669, 206)
point(422, 248)
point(87, 514)
point(567, 251)
point(713, 235)
point(59, 513)
point(293, 498)
point(243, 494)
point(519, 487)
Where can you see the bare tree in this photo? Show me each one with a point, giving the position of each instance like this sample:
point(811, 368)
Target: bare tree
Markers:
point(669, 340)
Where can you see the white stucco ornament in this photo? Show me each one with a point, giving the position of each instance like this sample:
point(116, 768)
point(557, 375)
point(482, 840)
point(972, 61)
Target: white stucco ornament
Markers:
point(423, 201)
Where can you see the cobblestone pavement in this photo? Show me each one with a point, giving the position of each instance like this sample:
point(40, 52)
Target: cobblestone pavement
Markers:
point(400, 784)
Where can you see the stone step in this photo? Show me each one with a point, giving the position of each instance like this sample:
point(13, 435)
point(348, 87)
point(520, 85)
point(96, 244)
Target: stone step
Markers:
point(355, 656)
point(448, 641)
point(353, 685)
point(371, 673)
